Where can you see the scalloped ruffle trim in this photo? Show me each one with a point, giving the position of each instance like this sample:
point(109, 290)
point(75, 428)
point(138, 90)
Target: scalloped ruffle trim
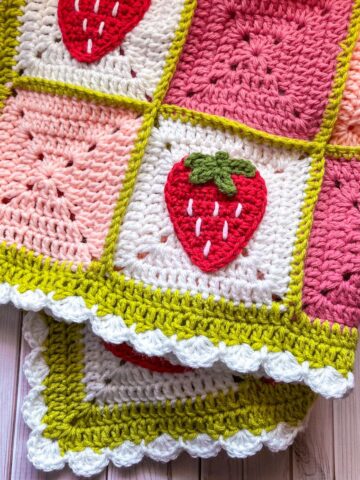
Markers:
point(196, 352)
point(45, 453)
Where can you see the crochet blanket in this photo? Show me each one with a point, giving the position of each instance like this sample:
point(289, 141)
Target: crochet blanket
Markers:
point(88, 407)
point(168, 174)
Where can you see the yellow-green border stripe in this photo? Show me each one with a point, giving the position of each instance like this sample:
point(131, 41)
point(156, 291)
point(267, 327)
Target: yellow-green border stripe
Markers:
point(76, 424)
point(149, 120)
point(10, 10)
point(193, 117)
point(343, 151)
point(184, 315)
point(81, 93)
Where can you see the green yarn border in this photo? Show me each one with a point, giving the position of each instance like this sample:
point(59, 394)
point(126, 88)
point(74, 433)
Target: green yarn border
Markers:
point(184, 315)
point(77, 424)
point(321, 345)
point(54, 87)
point(144, 135)
point(194, 118)
point(10, 11)
point(343, 151)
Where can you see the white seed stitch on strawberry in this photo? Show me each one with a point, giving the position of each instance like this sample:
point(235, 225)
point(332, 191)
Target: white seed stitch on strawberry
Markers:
point(93, 28)
point(207, 248)
point(96, 6)
point(101, 28)
point(89, 46)
point(198, 227)
point(225, 231)
point(190, 207)
point(238, 210)
point(115, 9)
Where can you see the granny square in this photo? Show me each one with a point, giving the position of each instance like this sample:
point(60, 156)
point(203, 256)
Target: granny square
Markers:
point(150, 251)
point(62, 164)
point(269, 65)
point(88, 407)
point(178, 224)
point(131, 65)
point(332, 273)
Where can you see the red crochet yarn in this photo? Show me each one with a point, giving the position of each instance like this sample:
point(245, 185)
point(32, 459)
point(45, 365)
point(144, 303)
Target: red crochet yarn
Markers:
point(93, 28)
point(155, 364)
point(213, 227)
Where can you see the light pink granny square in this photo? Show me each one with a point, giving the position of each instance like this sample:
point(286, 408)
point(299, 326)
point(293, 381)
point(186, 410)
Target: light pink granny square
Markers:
point(62, 164)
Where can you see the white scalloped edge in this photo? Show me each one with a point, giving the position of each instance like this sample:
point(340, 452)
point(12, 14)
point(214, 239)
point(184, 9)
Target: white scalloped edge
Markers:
point(196, 352)
point(45, 454)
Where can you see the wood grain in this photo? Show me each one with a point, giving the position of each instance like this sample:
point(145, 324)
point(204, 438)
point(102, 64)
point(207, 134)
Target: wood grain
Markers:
point(347, 432)
point(268, 466)
point(313, 450)
point(21, 467)
point(221, 467)
point(146, 470)
point(185, 468)
point(10, 320)
point(327, 450)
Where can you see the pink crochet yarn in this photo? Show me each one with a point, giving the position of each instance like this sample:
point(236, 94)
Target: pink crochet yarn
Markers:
point(62, 163)
point(332, 273)
point(269, 65)
point(347, 127)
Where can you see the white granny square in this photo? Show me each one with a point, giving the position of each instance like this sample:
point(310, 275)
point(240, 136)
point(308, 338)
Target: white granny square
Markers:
point(149, 251)
point(133, 69)
point(109, 380)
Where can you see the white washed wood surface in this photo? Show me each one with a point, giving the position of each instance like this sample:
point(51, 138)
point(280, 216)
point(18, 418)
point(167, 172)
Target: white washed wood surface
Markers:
point(328, 450)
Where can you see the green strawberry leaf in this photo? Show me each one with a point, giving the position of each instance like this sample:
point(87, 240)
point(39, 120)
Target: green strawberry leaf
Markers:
point(200, 176)
point(225, 184)
point(218, 168)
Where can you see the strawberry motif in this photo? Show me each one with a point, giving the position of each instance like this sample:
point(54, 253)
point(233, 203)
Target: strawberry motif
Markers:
point(215, 204)
point(93, 28)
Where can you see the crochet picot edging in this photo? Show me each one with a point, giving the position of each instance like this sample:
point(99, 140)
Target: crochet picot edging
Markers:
point(134, 412)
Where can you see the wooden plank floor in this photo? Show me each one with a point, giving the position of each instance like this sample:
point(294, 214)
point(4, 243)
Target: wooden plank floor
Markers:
point(328, 450)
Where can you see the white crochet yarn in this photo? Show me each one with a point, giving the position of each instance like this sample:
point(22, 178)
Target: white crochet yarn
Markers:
point(109, 380)
point(252, 279)
point(143, 51)
point(195, 352)
point(45, 453)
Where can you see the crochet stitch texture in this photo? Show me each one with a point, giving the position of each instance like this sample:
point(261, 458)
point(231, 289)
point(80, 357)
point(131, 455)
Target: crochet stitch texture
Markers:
point(87, 408)
point(90, 30)
point(63, 175)
point(87, 148)
point(219, 198)
point(269, 64)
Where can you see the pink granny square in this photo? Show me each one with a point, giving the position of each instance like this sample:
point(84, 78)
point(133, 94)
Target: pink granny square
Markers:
point(332, 269)
point(269, 65)
point(62, 163)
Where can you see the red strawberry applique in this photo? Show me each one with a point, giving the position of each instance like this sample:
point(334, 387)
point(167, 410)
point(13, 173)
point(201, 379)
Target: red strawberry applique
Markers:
point(93, 28)
point(155, 364)
point(215, 203)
